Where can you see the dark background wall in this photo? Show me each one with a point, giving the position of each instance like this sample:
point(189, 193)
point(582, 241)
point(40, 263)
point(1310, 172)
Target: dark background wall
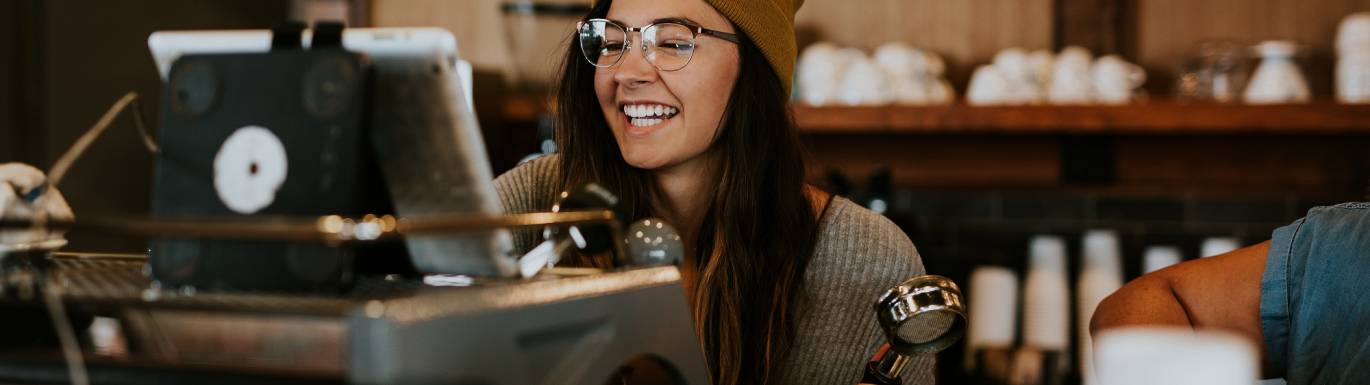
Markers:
point(8, 33)
point(64, 62)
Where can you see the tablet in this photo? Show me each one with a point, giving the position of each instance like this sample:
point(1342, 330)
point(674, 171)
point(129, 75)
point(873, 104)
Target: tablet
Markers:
point(427, 140)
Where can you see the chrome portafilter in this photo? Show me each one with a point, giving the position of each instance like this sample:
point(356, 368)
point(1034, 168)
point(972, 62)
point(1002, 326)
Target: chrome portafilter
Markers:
point(922, 315)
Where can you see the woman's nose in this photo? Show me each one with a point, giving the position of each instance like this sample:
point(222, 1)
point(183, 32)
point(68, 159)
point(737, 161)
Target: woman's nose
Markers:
point(635, 70)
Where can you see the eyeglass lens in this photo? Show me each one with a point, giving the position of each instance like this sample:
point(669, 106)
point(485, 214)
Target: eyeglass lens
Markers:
point(668, 46)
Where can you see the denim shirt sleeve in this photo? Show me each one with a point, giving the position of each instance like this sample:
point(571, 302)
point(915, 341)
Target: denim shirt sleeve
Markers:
point(1275, 296)
point(1314, 294)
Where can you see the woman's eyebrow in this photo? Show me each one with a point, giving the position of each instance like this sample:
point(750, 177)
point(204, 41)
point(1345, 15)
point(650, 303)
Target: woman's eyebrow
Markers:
point(681, 20)
point(676, 19)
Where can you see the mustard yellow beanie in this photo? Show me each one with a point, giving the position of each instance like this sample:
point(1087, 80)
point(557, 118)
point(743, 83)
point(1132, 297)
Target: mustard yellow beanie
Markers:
point(770, 24)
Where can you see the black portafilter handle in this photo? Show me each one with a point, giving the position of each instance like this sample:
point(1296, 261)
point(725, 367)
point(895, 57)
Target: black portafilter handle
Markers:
point(648, 241)
point(590, 238)
point(922, 315)
point(597, 237)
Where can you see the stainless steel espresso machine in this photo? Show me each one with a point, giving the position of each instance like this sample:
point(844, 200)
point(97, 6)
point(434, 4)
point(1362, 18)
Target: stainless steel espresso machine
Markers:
point(323, 212)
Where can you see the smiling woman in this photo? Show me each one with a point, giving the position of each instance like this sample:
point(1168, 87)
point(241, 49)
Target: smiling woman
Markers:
point(681, 108)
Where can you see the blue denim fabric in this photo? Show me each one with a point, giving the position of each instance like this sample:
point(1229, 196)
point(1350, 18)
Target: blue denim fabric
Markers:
point(1315, 297)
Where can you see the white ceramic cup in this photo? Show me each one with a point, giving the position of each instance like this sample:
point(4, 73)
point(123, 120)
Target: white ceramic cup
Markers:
point(988, 86)
point(1354, 32)
point(993, 308)
point(1071, 82)
point(1116, 80)
point(1160, 257)
point(820, 68)
point(1218, 245)
point(1174, 356)
point(1353, 76)
point(1046, 296)
point(1278, 80)
point(863, 82)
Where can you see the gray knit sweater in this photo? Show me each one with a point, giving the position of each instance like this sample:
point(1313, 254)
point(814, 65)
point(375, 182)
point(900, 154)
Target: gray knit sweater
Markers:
point(859, 254)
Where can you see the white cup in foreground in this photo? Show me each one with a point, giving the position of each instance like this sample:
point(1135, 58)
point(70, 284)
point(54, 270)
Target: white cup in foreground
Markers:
point(1173, 356)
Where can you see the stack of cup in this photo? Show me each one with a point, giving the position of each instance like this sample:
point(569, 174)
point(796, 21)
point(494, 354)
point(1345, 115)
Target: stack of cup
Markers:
point(1046, 300)
point(993, 322)
point(1353, 59)
point(1159, 257)
point(1101, 274)
point(1217, 245)
point(1043, 359)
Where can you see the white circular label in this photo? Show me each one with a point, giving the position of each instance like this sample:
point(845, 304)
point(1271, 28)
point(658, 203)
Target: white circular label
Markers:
point(249, 168)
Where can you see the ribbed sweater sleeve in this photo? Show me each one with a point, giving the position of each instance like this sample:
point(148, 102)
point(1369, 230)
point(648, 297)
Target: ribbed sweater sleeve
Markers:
point(529, 187)
point(859, 255)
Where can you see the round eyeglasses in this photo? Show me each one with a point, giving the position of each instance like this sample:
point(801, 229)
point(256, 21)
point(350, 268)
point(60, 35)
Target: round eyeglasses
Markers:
point(668, 45)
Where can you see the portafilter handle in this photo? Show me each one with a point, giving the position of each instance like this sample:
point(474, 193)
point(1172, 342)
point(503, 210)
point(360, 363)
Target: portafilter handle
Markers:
point(924, 314)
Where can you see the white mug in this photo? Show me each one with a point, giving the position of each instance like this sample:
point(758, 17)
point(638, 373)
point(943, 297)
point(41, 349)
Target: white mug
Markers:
point(1115, 80)
point(988, 86)
point(1070, 77)
point(1353, 59)
point(1353, 77)
point(863, 82)
point(1354, 32)
point(820, 69)
point(1277, 80)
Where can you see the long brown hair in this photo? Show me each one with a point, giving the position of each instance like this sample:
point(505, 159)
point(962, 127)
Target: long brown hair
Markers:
point(759, 232)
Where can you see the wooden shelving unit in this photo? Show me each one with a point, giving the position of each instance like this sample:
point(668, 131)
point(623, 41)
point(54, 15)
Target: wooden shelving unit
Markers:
point(1149, 118)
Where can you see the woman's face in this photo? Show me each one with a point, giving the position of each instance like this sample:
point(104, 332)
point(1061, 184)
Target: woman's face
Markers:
point(697, 93)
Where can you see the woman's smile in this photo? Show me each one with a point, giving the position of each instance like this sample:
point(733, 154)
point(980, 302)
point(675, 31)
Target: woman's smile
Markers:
point(643, 118)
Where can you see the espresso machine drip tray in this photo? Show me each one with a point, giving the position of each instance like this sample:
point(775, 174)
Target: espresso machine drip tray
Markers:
point(448, 329)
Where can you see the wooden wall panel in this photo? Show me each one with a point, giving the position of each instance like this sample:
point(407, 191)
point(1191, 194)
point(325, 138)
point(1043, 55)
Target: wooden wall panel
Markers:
point(1168, 30)
point(477, 24)
point(1102, 26)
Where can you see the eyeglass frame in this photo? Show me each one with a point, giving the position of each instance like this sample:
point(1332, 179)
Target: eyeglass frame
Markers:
point(695, 31)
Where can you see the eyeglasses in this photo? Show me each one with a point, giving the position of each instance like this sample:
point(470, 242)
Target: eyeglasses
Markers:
point(668, 45)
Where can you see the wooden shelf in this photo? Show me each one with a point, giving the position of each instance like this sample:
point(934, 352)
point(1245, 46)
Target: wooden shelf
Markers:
point(1150, 118)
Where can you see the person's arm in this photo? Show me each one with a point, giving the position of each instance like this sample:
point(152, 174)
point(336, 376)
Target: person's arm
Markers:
point(1220, 292)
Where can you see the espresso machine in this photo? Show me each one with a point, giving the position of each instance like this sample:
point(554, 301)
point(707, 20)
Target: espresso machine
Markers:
point(324, 212)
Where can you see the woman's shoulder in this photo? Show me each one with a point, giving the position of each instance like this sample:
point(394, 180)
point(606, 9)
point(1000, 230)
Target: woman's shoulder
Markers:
point(530, 185)
point(855, 240)
point(542, 168)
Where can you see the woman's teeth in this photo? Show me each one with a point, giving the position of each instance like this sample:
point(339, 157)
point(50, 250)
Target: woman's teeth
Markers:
point(643, 115)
